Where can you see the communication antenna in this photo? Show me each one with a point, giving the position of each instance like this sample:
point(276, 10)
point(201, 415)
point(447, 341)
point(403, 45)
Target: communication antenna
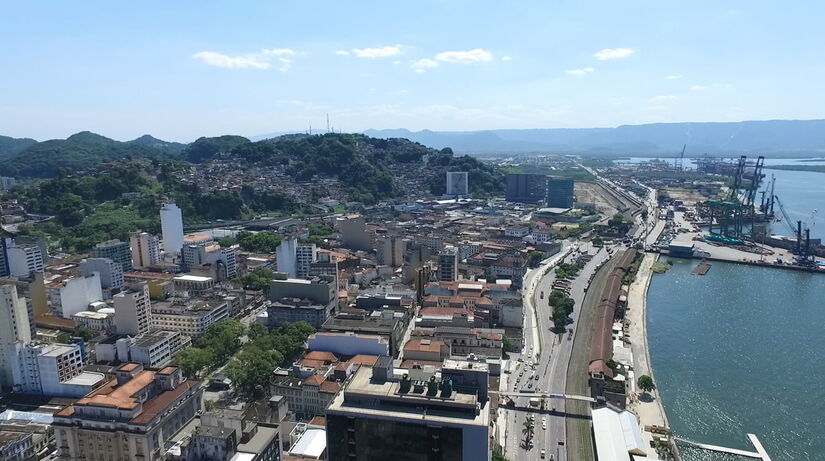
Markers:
point(327, 122)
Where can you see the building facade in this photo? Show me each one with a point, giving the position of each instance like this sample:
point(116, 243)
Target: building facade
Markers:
point(115, 250)
point(145, 249)
point(457, 183)
point(377, 416)
point(111, 273)
point(133, 311)
point(171, 225)
point(560, 192)
point(525, 187)
point(129, 418)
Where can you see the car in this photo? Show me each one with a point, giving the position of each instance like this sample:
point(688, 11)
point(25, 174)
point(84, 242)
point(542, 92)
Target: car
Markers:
point(544, 426)
point(543, 453)
point(530, 386)
point(536, 377)
point(543, 419)
point(521, 373)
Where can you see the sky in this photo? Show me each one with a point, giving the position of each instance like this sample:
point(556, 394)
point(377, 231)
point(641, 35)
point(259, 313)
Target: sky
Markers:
point(180, 70)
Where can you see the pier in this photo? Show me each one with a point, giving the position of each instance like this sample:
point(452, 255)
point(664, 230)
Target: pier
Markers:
point(760, 452)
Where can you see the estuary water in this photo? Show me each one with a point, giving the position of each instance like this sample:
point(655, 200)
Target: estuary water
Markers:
point(741, 350)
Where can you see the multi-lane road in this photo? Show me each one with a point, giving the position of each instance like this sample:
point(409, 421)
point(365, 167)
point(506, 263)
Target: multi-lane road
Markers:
point(545, 355)
point(542, 366)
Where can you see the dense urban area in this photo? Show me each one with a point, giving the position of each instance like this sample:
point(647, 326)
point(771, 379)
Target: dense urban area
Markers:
point(343, 297)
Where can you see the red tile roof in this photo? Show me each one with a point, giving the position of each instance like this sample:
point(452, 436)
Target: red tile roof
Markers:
point(314, 380)
point(416, 345)
point(322, 356)
point(362, 359)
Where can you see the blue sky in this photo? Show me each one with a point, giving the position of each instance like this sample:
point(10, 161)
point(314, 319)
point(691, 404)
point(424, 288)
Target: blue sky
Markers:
point(179, 70)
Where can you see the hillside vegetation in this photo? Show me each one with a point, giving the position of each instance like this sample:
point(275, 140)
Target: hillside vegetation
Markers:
point(77, 152)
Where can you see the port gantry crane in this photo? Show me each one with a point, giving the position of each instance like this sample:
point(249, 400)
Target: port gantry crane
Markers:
point(802, 233)
point(731, 218)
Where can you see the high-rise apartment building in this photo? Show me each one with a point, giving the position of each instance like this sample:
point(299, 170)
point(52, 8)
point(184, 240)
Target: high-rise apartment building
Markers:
point(21, 259)
point(559, 192)
point(115, 250)
point(448, 264)
point(525, 187)
point(131, 417)
point(296, 258)
point(7, 182)
point(111, 273)
point(145, 251)
point(171, 225)
point(210, 252)
point(457, 183)
point(353, 230)
point(133, 311)
point(377, 416)
point(390, 250)
point(15, 326)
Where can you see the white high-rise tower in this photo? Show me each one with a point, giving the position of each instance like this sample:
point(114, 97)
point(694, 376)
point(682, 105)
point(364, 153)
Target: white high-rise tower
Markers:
point(171, 225)
point(15, 326)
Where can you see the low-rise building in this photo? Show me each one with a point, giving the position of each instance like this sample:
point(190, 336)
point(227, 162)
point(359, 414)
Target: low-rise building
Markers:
point(51, 369)
point(96, 321)
point(307, 397)
point(387, 324)
point(131, 417)
point(154, 349)
point(426, 349)
point(348, 344)
point(465, 341)
point(191, 317)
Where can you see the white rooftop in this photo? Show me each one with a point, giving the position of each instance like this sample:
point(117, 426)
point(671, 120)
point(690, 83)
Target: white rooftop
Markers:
point(193, 278)
point(311, 444)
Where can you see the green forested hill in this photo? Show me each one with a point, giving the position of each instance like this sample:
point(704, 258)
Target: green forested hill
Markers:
point(77, 152)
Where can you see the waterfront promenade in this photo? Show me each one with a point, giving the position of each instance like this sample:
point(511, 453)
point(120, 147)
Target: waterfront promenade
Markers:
point(650, 412)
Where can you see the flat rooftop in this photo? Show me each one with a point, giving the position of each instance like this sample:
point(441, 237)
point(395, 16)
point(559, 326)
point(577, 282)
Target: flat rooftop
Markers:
point(192, 278)
point(457, 409)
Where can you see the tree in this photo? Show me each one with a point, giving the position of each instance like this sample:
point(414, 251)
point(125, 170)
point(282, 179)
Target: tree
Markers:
point(646, 384)
point(192, 360)
point(527, 430)
point(226, 242)
point(497, 454)
point(258, 279)
point(252, 367)
point(85, 333)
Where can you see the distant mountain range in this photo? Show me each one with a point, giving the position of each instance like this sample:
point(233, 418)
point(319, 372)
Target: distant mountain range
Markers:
point(772, 137)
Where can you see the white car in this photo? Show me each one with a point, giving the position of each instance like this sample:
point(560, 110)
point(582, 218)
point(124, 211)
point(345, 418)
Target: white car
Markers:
point(544, 426)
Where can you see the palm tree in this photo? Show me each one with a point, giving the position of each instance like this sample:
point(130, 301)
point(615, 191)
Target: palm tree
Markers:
point(527, 430)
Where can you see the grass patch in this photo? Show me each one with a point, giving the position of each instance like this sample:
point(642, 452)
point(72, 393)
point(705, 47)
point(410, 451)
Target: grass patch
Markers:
point(660, 267)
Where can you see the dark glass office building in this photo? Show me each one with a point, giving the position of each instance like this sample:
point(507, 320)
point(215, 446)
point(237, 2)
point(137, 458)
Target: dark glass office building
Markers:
point(525, 187)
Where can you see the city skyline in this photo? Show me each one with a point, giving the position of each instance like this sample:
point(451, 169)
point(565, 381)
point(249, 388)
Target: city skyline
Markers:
point(179, 73)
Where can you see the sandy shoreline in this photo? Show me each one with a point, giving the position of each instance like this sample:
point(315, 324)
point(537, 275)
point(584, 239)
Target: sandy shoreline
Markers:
point(652, 412)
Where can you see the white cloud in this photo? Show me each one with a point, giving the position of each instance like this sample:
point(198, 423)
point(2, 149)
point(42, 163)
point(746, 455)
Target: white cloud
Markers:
point(613, 53)
point(673, 77)
point(342, 53)
point(260, 60)
point(422, 65)
point(286, 64)
point(278, 52)
point(664, 98)
point(582, 71)
point(381, 52)
point(505, 58)
point(465, 57)
point(712, 86)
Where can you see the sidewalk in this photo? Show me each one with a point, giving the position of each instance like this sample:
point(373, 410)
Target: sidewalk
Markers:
point(652, 412)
